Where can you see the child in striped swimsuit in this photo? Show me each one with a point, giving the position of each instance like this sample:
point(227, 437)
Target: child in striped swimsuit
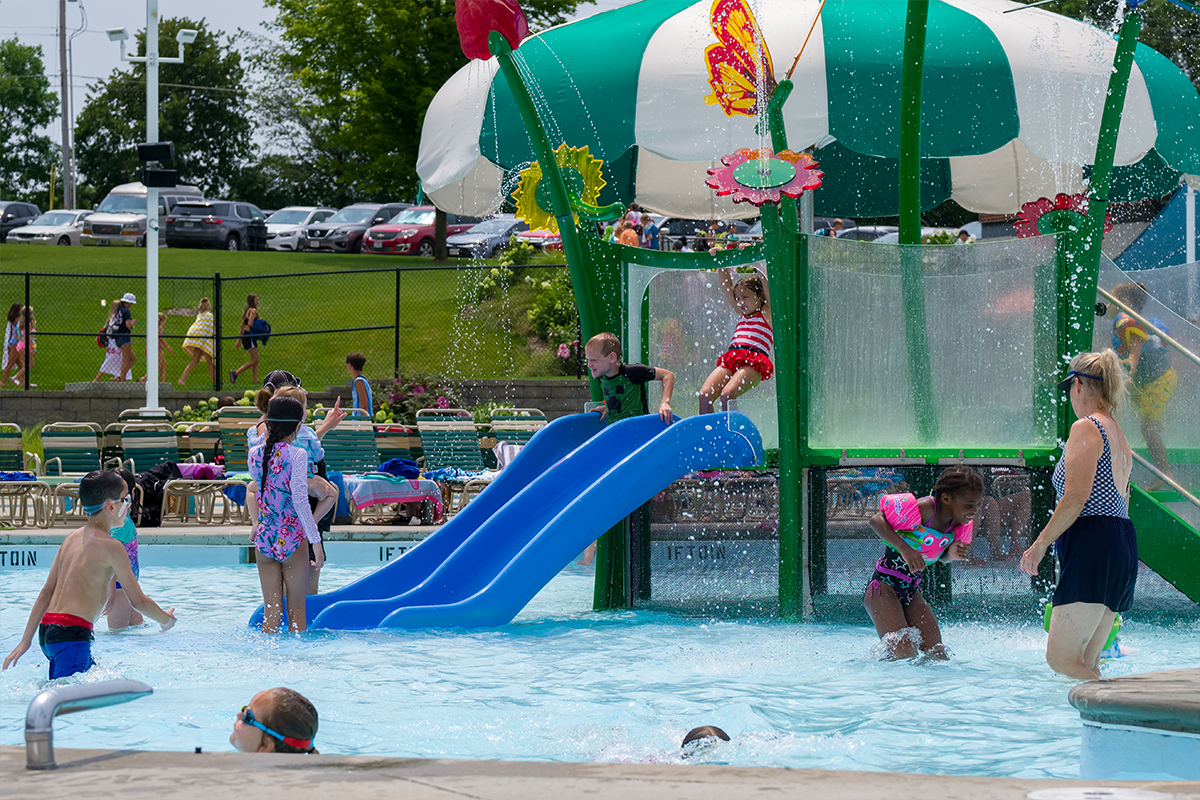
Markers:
point(747, 362)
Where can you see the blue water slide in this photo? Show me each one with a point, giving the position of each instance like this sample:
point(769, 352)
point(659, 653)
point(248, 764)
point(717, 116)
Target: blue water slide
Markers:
point(545, 449)
point(501, 566)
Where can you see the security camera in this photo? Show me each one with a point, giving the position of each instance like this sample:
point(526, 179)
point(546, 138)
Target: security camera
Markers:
point(186, 36)
point(117, 34)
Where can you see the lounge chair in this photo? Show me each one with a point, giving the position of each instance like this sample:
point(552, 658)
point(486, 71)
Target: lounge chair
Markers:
point(148, 444)
point(70, 450)
point(450, 438)
point(33, 499)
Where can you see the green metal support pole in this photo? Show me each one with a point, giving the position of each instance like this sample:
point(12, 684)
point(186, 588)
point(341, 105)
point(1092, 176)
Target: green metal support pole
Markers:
point(1087, 255)
point(789, 317)
point(912, 272)
point(585, 294)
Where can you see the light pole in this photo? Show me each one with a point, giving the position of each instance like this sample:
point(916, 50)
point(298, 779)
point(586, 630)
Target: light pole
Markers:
point(152, 60)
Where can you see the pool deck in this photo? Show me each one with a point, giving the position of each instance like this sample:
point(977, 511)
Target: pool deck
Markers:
point(100, 774)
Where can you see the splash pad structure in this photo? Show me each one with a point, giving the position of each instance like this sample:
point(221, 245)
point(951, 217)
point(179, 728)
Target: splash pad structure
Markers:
point(899, 358)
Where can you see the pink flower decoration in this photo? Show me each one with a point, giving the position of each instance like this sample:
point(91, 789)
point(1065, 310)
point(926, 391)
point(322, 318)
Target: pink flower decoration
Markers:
point(443, 402)
point(722, 179)
point(1027, 219)
point(477, 18)
point(416, 390)
point(564, 350)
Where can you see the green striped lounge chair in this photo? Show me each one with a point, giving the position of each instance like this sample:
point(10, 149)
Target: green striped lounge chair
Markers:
point(516, 425)
point(233, 422)
point(397, 441)
point(13, 457)
point(148, 444)
point(450, 438)
point(350, 447)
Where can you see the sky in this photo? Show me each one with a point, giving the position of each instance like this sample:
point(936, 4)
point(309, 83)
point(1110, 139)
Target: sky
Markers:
point(94, 57)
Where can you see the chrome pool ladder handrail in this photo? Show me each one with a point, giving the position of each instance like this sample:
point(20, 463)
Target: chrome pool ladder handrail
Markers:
point(39, 719)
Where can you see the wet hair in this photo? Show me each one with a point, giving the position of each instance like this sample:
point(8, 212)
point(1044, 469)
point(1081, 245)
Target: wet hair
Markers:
point(1107, 366)
point(755, 284)
point(956, 480)
point(704, 732)
point(1131, 294)
point(290, 713)
point(284, 416)
point(14, 313)
point(126, 476)
point(100, 486)
point(357, 360)
point(203, 306)
point(607, 343)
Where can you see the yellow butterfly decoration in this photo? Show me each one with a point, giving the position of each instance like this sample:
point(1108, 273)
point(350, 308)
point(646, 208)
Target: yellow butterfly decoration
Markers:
point(738, 60)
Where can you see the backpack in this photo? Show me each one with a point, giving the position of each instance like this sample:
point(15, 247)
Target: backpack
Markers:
point(153, 482)
point(102, 338)
point(260, 329)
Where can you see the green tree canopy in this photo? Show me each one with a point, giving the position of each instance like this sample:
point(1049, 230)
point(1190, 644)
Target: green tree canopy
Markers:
point(26, 104)
point(362, 75)
point(202, 109)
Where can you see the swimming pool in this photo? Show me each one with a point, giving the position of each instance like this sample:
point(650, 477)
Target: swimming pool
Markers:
point(564, 684)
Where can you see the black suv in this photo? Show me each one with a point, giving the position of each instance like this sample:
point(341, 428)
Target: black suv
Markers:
point(14, 215)
point(343, 232)
point(211, 223)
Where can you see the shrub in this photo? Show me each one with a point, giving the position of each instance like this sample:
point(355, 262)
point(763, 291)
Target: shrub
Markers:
point(941, 237)
point(493, 282)
point(410, 393)
point(554, 316)
point(517, 252)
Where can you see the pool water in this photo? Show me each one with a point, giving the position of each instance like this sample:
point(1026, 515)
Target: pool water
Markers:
point(564, 684)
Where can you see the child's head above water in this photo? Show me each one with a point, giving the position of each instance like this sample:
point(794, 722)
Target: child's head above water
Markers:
point(702, 738)
point(99, 490)
point(959, 489)
point(276, 720)
point(603, 353)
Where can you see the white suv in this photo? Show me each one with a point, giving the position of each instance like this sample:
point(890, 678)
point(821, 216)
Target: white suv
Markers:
point(120, 219)
point(285, 228)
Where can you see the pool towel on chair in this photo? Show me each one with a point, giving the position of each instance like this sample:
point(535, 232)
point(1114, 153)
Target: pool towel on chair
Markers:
point(379, 488)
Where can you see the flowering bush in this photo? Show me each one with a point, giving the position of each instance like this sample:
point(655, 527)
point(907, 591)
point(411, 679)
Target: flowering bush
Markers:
point(493, 282)
point(554, 316)
point(517, 252)
point(410, 393)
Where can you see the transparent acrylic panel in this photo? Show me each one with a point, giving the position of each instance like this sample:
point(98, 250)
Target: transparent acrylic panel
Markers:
point(984, 343)
point(1179, 427)
point(688, 326)
point(1177, 287)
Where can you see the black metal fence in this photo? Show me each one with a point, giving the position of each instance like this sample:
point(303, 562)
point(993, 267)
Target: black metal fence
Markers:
point(458, 322)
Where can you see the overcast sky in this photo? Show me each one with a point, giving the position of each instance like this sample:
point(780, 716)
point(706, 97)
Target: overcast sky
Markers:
point(94, 56)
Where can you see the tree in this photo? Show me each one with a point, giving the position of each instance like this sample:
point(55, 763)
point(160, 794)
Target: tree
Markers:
point(202, 109)
point(26, 104)
point(366, 72)
point(1167, 28)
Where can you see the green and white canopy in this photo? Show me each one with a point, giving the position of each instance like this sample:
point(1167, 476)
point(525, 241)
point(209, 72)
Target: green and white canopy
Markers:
point(1011, 109)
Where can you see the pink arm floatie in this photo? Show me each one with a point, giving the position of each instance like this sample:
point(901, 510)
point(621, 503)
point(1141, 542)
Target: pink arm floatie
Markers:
point(901, 511)
point(963, 533)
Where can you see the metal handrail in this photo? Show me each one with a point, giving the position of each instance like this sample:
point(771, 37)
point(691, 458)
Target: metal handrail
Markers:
point(1188, 354)
point(1169, 481)
point(39, 719)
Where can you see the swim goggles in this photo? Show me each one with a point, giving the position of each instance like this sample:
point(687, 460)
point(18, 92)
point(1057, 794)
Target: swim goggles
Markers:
point(90, 510)
point(1065, 384)
point(247, 716)
point(280, 378)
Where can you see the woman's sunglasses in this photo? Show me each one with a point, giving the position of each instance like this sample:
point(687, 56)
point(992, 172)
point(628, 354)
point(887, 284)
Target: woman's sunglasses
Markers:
point(247, 717)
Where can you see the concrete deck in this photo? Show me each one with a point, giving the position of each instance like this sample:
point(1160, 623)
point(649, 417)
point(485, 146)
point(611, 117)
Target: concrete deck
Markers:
point(1168, 700)
point(99, 774)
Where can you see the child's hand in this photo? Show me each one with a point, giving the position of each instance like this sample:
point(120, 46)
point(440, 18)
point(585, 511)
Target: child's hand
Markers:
point(170, 623)
point(914, 560)
point(16, 654)
point(664, 412)
point(319, 555)
point(958, 551)
point(336, 414)
point(602, 410)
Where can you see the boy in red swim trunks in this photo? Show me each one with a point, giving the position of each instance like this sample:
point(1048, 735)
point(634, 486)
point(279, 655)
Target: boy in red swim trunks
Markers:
point(77, 588)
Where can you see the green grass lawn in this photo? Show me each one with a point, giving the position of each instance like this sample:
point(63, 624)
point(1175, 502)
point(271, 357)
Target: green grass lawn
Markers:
point(441, 329)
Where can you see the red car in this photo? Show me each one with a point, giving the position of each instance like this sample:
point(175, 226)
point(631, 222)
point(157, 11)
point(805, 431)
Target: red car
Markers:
point(411, 232)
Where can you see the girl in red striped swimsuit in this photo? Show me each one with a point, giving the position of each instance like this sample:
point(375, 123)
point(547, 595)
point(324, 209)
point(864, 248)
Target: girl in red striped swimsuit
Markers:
point(747, 362)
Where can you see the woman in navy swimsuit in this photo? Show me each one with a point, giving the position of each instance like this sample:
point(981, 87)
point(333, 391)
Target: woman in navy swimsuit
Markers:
point(1090, 529)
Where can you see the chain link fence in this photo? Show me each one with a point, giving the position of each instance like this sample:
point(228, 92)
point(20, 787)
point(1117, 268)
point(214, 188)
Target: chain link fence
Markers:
point(461, 322)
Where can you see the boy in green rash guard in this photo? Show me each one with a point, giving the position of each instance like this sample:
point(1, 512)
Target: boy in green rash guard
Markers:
point(624, 385)
point(624, 388)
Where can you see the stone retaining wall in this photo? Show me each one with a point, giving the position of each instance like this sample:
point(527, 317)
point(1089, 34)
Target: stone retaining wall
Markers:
point(103, 402)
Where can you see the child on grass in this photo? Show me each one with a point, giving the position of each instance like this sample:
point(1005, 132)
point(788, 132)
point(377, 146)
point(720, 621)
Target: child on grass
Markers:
point(77, 587)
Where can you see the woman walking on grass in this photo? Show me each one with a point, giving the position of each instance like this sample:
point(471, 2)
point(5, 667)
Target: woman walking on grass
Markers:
point(247, 341)
point(199, 341)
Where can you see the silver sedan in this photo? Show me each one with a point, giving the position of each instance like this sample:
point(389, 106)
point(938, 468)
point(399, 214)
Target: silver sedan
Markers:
point(61, 226)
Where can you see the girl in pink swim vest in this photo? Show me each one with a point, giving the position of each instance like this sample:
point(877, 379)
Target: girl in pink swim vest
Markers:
point(917, 533)
point(747, 362)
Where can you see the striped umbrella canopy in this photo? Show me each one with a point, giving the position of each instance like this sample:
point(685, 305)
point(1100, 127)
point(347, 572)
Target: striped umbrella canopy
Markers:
point(1011, 108)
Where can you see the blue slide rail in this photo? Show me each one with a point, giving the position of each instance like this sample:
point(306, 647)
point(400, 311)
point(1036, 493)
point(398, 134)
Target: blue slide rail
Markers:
point(505, 560)
point(545, 449)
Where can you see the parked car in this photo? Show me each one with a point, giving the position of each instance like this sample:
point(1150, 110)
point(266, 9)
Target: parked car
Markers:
point(411, 232)
point(211, 223)
point(285, 227)
point(120, 219)
point(343, 232)
point(542, 239)
point(61, 226)
point(15, 215)
point(485, 239)
point(867, 233)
